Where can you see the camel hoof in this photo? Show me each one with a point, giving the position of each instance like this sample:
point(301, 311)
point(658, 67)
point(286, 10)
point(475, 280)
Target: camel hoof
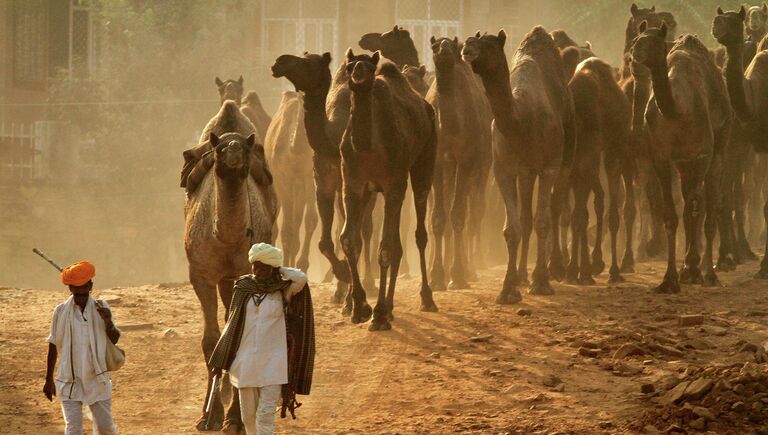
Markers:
point(586, 280)
point(509, 297)
point(726, 264)
point(747, 254)
point(340, 294)
point(572, 276)
point(379, 325)
point(541, 289)
point(668, 286)
point(202, 426)
point(458, 284)
point(616, 278)
point(523, 281)
point(556, 270)
point(472, 276)
point(303, 264)
point(429, 307)
point(711, 280)
point(598, 266)
point(231, 428)
point(691, 275)
point(438, 281)
point(346, 310)
point(761, 274)
point(654, 247)
point(628, 264)
point(361, 313)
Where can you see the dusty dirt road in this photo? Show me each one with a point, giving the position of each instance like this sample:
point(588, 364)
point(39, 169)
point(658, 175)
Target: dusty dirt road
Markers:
point(474, 367)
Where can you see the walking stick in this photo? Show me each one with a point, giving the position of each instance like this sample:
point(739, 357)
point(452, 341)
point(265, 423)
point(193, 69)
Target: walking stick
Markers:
point(48, 259)
point(209, 405)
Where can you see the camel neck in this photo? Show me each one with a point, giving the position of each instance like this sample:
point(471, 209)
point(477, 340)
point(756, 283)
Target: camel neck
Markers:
point(499, 92)
point(448, 110)
point(316, 123)
point(361, 120)
point(734, 80)
point(640, 96)
point(230, 223)
point(662, 90)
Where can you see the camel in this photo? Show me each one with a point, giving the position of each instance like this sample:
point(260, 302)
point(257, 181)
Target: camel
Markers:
point(533, 110)
point(391, 137)
point(226, 213)
point(324, 122)
point(463, 157)
point(602, 128)
point(252, 108)
point(290, 156)
point(416, 77)
point(755, 29)
point(230, 89)
point(689, 120)
point(635, 81)
point(748, 90)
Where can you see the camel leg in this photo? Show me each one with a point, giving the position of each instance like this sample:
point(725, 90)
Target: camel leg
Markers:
point(449, 180)
point(438, 223)
point(310, 225)
point(755, 200)
point(507, 184)
point(598, 265)
point(206, 294)
point(581, 221)
point(561, 193)
point(405, 225)
point(422, 180)
point(525, 184)
point(540, 282)
point(288, 233)
point(654, 199)
point(691, 179)
point(745, 188)
point(712, 186)
point(458, 221)
point(326, 195)
point(763, 272)
point(628, 174)
point(354, 202)
point(390, 253)
point(670, 283)
point(367, 232)
point(477, 209)
point(613, 175)
point(566, 210)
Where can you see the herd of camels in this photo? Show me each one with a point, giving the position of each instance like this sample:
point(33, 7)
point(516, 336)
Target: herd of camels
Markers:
point(555, 116)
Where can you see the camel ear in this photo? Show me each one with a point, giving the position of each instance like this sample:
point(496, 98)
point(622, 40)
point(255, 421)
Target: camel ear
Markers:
point(250, 142)
point(214, 140)
point(742, 13)
point(502, 37)
point(349, 55)
point(375, 58)
point(643, 26)
point(240, 80)
point(395, 29)
point(219, 83)
point(456, 40)
point(765, 8)
point(422, 70)
point(477, 35)
point(719, 10)
point(663, 29)
point(432, 40)
point(589, 45)
point(633, 9)
point(326, 58)
point(653, 8)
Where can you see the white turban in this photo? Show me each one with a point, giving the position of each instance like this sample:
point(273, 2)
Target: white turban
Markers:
point(266, 254)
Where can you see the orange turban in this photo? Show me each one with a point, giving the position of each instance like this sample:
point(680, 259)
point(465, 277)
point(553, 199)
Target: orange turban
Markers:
point(78, 274)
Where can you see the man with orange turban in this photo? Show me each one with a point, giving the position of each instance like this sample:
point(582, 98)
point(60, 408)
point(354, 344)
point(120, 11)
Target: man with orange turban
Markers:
point(80, 329)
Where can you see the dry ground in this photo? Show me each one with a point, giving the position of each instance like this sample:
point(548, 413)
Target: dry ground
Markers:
point(473, 367)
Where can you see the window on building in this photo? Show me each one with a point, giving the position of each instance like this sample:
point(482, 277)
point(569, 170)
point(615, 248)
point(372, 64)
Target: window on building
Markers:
point(29, 33)
point(82, 47)
point(427, 18)
point(295, 26)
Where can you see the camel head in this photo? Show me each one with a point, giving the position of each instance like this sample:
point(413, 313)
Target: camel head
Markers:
point(728, 27)
point(361, 70)
point(232, 155)
point(415, 76)
point(649, 48)
point(230, 89)
point(756, 17)
point(653, 18)
point(485, 52)
point(445, 51)
point(396, 45)
point(310, 73)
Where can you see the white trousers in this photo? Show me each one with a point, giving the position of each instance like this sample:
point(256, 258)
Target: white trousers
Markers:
point(257, 408)
point(100, 414)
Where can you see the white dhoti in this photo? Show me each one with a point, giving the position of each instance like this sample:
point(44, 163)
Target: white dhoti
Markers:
point(100, 414)
point(257, 408)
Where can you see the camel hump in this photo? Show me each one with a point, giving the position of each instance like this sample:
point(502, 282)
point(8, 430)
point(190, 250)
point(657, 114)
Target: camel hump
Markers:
point(692, 44)
point(229, 109)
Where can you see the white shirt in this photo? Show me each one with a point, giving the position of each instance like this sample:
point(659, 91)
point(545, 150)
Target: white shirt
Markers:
point(262, 357)
point(86, 388)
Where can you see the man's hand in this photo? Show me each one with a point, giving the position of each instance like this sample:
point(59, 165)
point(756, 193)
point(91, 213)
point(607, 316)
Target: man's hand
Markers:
point(216, 372)
point(49, 389)
point(105, 314)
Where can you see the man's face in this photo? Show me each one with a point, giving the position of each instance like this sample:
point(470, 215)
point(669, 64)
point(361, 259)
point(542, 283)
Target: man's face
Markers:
point(81, 293)
point(261, 270)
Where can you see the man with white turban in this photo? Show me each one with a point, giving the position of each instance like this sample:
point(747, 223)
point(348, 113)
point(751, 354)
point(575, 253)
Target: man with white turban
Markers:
point(253, 346)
